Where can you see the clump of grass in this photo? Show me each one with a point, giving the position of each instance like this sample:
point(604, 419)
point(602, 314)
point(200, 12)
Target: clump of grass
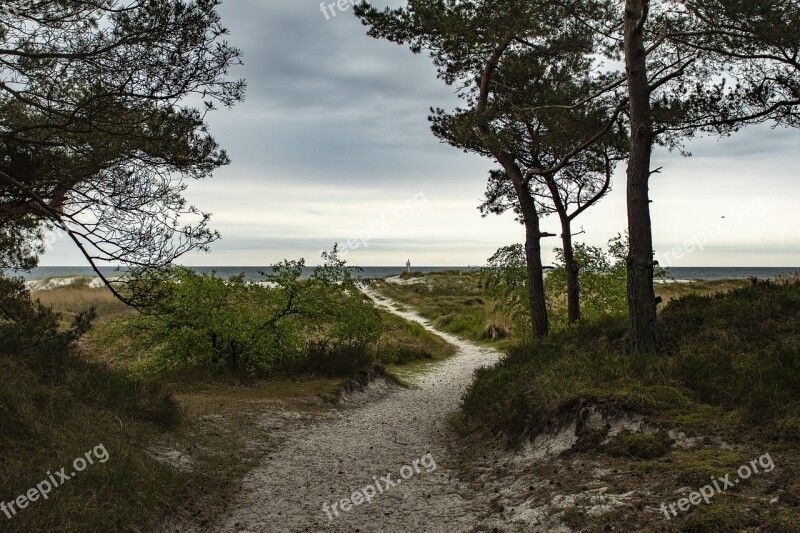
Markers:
point(323, 357)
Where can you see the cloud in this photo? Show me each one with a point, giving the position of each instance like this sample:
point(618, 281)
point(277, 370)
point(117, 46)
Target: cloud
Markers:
point(334, 133)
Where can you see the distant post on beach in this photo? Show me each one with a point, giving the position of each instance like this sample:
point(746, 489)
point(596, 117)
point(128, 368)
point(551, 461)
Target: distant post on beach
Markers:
point(408, 265)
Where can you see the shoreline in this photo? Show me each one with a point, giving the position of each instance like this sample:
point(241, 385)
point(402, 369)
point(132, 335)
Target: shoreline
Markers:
point(43, 281)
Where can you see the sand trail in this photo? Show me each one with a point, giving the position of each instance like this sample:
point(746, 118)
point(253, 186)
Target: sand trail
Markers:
point(361, 443)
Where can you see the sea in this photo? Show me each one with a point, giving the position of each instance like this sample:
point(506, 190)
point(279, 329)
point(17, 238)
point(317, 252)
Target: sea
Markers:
point(254, 273)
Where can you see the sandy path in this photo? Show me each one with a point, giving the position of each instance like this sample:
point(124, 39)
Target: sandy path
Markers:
point(328, 461)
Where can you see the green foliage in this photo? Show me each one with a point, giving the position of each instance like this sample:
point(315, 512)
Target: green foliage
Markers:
point(603, 279)
point(203, 321)
point(602, 276)
point(505, 279)
point(733, 361)
point(55, 406)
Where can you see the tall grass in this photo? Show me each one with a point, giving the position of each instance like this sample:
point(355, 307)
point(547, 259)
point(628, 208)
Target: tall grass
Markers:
point(72, 299)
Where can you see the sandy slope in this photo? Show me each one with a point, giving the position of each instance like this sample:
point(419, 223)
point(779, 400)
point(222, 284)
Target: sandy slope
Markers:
point(328, 461)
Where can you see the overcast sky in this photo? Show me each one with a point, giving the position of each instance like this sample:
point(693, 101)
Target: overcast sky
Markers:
point(333, 145)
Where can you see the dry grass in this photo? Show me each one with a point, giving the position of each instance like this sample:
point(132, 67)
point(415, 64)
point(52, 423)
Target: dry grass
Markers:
point(72, 299)
point(498, 326)
point(671, 291)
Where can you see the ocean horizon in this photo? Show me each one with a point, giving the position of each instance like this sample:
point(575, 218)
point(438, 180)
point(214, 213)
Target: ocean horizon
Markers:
point(254, 273)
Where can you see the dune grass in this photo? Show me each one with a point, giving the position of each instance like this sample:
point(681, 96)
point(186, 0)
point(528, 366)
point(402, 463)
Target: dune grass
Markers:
point(454, 301)
point(79, 296)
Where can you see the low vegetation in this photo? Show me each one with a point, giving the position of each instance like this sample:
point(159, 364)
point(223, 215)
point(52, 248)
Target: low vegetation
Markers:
point(454, 301)
point(730, 375)
point(280, 325)
point(180, 428)
point(734, 354)
point(55, 406)
point(726, 390)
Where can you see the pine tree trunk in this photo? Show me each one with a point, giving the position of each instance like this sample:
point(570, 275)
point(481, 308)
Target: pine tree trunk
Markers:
point(533, 253)
point(572, 270)
point(641, 295)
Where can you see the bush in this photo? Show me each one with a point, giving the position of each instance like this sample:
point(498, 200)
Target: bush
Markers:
point(203, 321)
point(55, 405)
point(602, 278)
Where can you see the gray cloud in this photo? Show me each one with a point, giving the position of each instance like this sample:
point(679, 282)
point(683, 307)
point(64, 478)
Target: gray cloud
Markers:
point(334, 131)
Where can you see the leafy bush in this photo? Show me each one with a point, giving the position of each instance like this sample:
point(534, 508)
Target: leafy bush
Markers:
point(201, 320)
point(602, 278)
point(505, 279)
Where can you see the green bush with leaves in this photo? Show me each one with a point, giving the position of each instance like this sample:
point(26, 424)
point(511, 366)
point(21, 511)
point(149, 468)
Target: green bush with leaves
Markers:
point(603, 281)
point(203, 321)
point(505, 279)
point(26, 326)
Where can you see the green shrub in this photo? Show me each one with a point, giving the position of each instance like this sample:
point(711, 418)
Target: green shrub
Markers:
point(203, 321)
point(602, 278)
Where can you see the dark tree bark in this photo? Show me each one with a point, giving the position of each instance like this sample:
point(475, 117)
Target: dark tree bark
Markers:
point(572, 270)
point(641, 295)
point(570, 264)
point(540, 325)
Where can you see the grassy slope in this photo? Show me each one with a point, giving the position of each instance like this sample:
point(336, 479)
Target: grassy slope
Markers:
point(732, 374)
point(56, 407)
point(454, 301)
